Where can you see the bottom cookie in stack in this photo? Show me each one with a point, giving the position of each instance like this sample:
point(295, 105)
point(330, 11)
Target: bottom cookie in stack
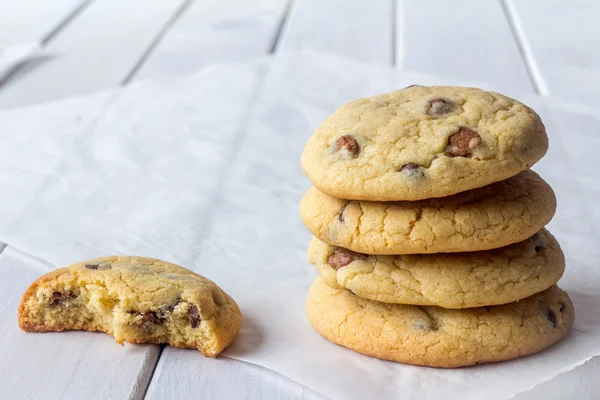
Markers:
point(435, 336)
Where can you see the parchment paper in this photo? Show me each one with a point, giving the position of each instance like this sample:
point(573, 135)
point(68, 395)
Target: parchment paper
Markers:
point(204, 171)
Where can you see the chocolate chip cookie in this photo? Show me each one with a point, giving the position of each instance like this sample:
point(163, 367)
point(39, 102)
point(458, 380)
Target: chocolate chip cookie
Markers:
point(493, 216)
point(134, 299)
point(438, 337)
point(422, 142)
point(449, 280)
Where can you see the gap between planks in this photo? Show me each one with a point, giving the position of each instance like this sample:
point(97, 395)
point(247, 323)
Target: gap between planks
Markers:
point(535, 74)
point(291, 4)
point(47, 38)
point(65, 22)
point(141, 392)
point(161, 34)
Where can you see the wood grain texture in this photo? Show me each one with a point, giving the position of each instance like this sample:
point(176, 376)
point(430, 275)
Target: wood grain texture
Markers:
point(465, 39)
point(27, 21)
point(97, 50)
point(359, 29)
point(215, 31)
point(562, 40)
point(65, 365)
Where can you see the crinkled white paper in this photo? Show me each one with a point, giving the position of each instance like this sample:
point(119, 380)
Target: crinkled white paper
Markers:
point(204, 171)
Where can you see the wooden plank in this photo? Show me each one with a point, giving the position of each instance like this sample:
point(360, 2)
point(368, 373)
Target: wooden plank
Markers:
point(561, 40)
point(466, 39)
point(215, 31)
point(26, 21)
point(220, 378)
point(75, 365)
point(97, 50)
point(359, 29)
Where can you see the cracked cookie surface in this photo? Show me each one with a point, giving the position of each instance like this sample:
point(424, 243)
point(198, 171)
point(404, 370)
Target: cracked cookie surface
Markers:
point(134, 299)
point(438, 337)
point(493, 216)
point(422, 142)
point(449, 280)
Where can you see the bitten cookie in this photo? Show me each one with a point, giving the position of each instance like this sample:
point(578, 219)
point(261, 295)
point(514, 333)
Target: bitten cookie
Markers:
point(438, 337)
point(134, 299)
point(493, 216)
point(449, 280)
point(422, 142)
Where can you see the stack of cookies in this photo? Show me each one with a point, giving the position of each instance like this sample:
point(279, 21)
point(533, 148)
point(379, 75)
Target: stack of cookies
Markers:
point(429, 229)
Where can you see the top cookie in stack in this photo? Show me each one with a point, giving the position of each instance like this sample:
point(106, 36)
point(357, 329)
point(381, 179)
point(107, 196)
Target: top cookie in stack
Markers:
point(402, 180)
point(422, 142)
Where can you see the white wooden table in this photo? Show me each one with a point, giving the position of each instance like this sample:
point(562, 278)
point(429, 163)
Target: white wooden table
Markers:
point(544, 47)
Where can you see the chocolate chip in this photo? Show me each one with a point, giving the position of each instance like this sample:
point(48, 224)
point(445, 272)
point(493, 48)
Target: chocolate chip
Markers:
point(342, 257)
point(563, 307)
point(55, 299)
point(413, 170)
point(462, 142)
point(539, 241)
point(551, 317)
point(150, 317)
point(194, 316)
point(58, 297)
point(439, 107)
point(423, 325)
point(411, 86)
point(347, 145)
point(102, 265)
point(410, 167)
point(167, 308)
point(148, 321)
point(341, 213)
